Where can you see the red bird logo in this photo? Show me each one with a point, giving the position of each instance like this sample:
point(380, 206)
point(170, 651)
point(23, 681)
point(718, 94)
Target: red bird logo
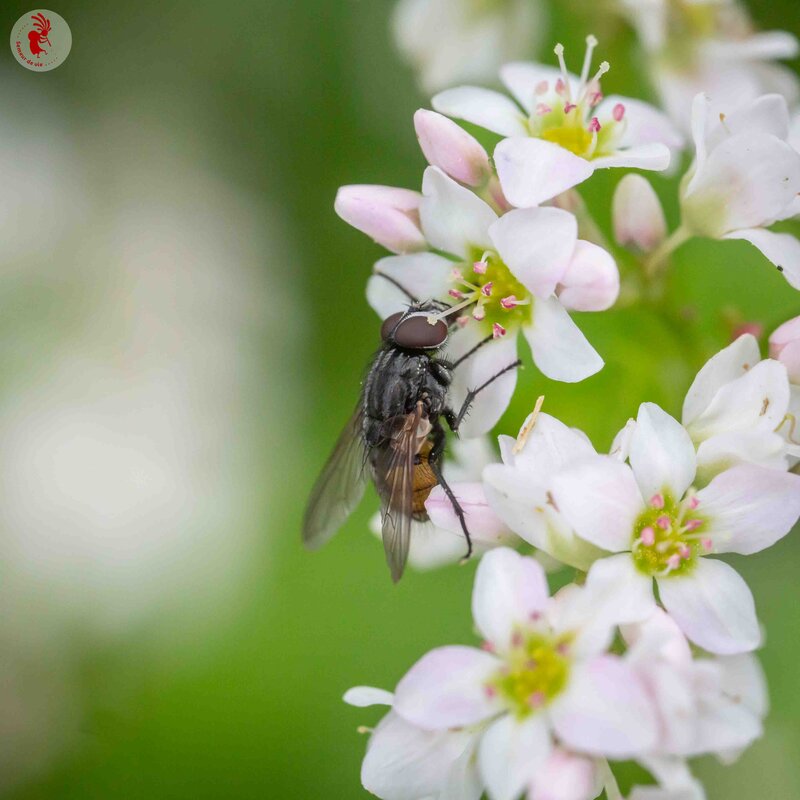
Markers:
point(39, 36)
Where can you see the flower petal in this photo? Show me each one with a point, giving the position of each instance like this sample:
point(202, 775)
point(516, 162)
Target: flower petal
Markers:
point(727, 365)
point(620, 594)
point(559, 348)
point(536, 244)
point(591, 281)
point(446, 689)
point(532, 171)
point(605, 711)
point(522, 78)
point(661, 453)
point(782, 249)
point(644, 123)
point(483, 524)
point(653, 156)
point(599, 497)
point(483, 107)
point(765, 114)
point(713, 606)
point(510, 754)
point(424, 275)
point(726, 450)
point(454, 219)
point(490, 403)
point(749, 508)
point(363, 696)
point(404, 762)
point(565, 776)
point(509, 590)
point(639, 221)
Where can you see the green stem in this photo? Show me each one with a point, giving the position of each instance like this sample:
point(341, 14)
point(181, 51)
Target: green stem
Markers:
point(653, 264)
point(610, 784)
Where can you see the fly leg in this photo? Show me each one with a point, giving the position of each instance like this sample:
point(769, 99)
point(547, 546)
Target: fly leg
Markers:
point(454, 420)
point(438, 438)
point(471, 351)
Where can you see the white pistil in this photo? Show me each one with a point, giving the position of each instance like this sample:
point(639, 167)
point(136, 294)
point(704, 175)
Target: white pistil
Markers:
point(559, 51)
point(591, 43)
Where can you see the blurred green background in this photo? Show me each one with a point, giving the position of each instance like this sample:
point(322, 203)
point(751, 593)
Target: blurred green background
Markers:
point(180, 298)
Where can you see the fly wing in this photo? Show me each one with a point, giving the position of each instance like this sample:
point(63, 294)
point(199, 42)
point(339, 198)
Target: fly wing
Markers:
point(339, 488)
point(394, 479)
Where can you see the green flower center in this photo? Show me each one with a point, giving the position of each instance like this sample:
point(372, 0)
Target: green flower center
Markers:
point(668, 537)
point(536, 672)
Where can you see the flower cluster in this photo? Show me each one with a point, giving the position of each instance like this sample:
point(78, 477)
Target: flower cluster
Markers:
point(649, 655)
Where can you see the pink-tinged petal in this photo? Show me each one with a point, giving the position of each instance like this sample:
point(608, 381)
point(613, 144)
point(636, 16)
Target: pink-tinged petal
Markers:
point(782, 249)
point(558, 347)
point(662, 454)
point(757, 400)
point(749, 508)
point(491, 402)
point(713, 606)
point(536, 244)
point(565, 776)
point(591, 281)
point(746, 182)
point(453, 218)
point(657, 638)
point(483, 524)
point(605, 711)
point(404, 762)
point(483, 107)
point(743, 680)
point(639, 221)
point(644, 123)
point(446, 688)
point(511, 752)
point(532, 171)
point(726, 450)
point(790, 358)
point(448, 146)
point(619, 593)
point(654, 157)
point(387, 215)
point(726, 366)
point(599, 497)
point(423, 275)
point(510, 590)
point(571, 612)
point(523, 78)
point(784, 345)
point(363, 696)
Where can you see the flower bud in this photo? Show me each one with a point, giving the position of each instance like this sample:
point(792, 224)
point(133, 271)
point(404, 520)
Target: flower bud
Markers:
point(639, 222)
point(784, 345)
point(591, 281)
point(388, 215)
point(448, 146)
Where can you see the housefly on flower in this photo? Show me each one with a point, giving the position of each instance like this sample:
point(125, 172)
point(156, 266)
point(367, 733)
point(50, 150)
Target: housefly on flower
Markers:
point(396, 436)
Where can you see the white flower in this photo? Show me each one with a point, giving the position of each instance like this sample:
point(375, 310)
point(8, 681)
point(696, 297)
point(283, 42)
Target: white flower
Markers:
point(784, 346)
point(562, 129)
point(440, 540)
point(735, 408)
point(709, 46)
point(639, 221)
point(544, 671)
point(449, 41)
point(745, 177)
point(661, 529)
point(521, 271)
point(518, 488)
point(705, 705)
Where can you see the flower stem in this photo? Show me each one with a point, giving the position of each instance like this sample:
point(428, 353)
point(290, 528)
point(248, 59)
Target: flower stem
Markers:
point(653, 264)
point(610, 784)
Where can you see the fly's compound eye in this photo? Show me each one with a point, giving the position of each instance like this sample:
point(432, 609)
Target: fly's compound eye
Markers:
point(389, 324)
point(416, 333)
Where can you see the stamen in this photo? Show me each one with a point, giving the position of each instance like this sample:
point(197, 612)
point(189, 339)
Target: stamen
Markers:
point(568, 107)
point(674, 561)
point(462, 321)
point(619, 112)
point(479, 312)
point(594, 125)
point(537, 699)
point(541, 88)
point(487, 646)
point(559, 51)
point(657, 501)
point(595, 98)
point(486, 289)
point(694, 501)
point(648, 536)
point(542, 109)
point(561, 87)
point(455, 294)
point(498, 330)
point(591, 43)
point(490, 691)
point(707, 545)
point(664, 522)
point(685, 551)
point(511, 302)
point(480, 267)
point(692, 524)
point(516, 639)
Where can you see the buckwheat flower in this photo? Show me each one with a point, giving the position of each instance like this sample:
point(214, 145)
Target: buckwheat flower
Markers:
point(561, 129)
point(736, 410)
point(745, 177)
point(506, 275)
point(449, 41)
point(543, 672)
point(639, 221)
point(440, 540)
point(661, 529)
point(406, 762)
point(518, 488)
point(704, 705)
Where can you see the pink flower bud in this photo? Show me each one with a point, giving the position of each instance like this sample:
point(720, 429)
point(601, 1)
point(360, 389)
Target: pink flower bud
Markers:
point(784, 345)
point(639, 222)
point(591, 280)
point(448, 146)
point(387, 215)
